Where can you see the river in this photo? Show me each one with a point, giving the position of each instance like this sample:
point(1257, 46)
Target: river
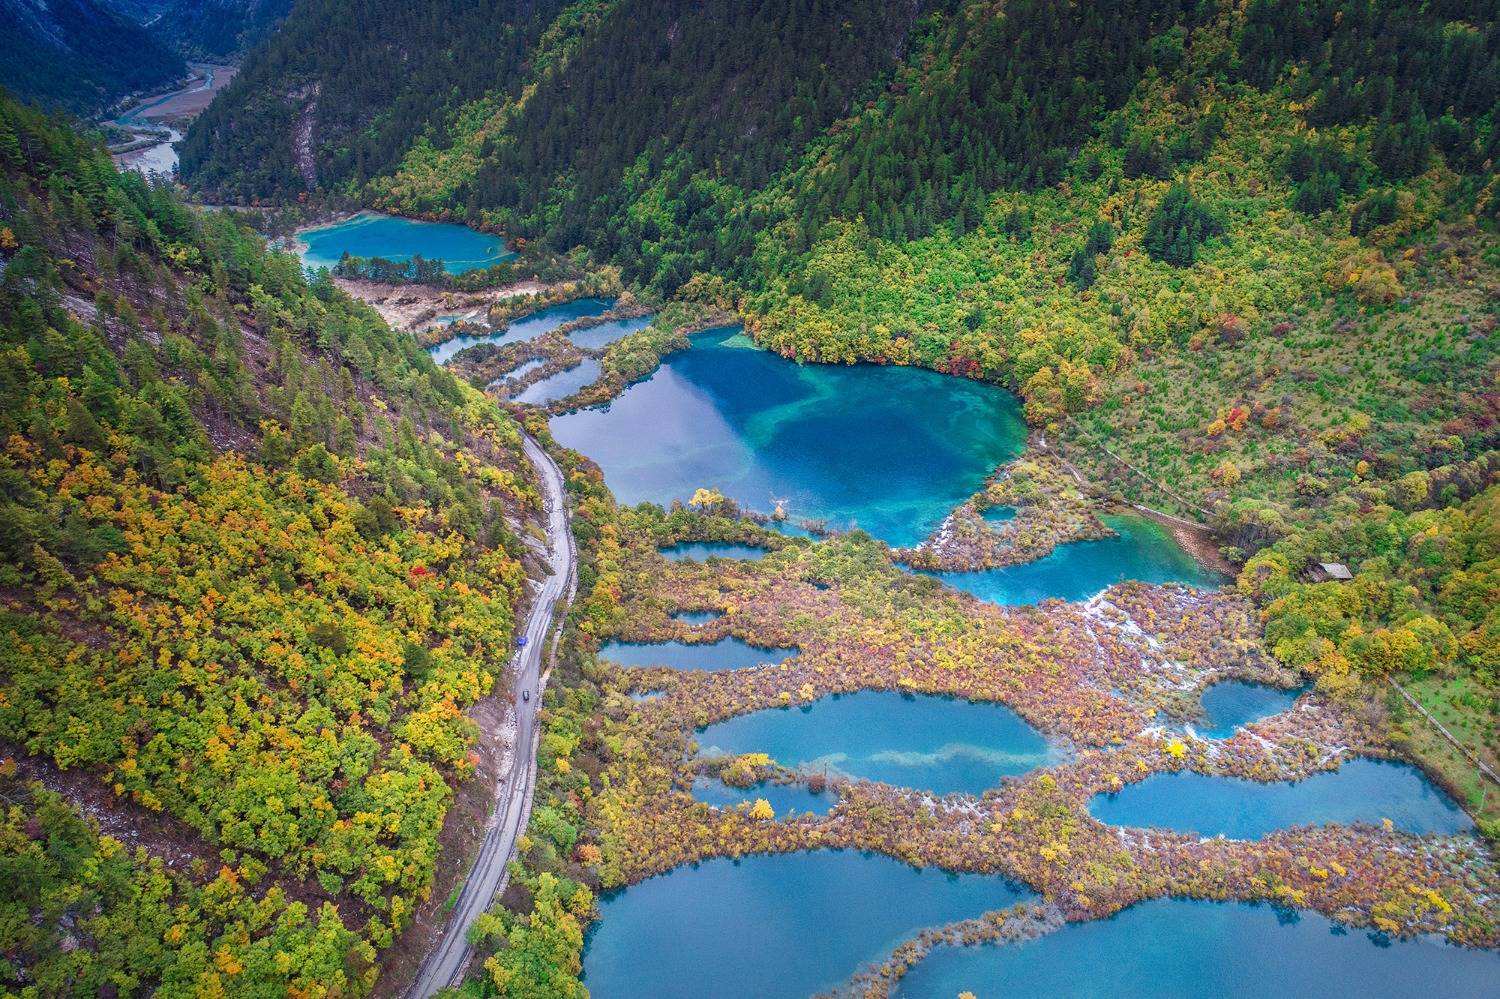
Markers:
point(161, 118)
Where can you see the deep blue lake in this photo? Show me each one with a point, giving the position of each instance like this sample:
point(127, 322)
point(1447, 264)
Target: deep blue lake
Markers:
point(525, 328)
point(1188, 949)
point(788, 799)
point(371, 234)
point(889, 449)
point(726, 653)
point(936, 744)
point(1142, 550)
point(594, 337)
point(771, 927)
point(1362, 790)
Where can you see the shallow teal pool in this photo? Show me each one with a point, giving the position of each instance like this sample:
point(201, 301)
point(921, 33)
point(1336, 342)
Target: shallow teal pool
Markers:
point(371, 234)
point(936, 744)
point(787, 799)
point(1362, 790)
point(892, 450)
point(726, 653)
point(695, 617)
point(1189, 949)
point(701, 551)
point(771, 927)
point(1142, 550)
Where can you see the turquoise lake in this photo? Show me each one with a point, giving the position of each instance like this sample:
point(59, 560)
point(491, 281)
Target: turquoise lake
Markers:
point(371, 234)
point(726, 653)
point(787, 799)
point(1141, 550)
point(527, 327)
point(1233, 704)
point(701, 551)
point(888, 449)
point(560, 385)
point(1362, 790)
point(920, 741)
point(1190, 949)
point(594, 337)
point(771, 927)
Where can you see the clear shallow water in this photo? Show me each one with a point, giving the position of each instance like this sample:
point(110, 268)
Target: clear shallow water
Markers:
point(1143, 550)
point(932, 743)
point(525, 328)
point(889, 449)
point(594, 337)
point(1188, 949)
point(560, 385)
point(1232, 704)
point(726, 653)
point(370, 234)
point(1362, 790)
point(998, 514)
point(771, 927)
point(697, 617)
point(699, 551)
point(787, 799)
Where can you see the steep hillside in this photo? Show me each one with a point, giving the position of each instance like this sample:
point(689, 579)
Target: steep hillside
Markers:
point(353, 85)
point(79, 54)
point(260, 556)
point(206, 29)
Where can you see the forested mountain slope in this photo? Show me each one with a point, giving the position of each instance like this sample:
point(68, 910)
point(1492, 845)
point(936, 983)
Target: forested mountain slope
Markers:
point(79, 54)
point(259, 556)
point(218, 29)
point(361, 82)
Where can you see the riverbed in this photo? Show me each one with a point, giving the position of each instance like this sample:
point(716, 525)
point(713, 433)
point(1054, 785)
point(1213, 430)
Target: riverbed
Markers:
point(157, 121)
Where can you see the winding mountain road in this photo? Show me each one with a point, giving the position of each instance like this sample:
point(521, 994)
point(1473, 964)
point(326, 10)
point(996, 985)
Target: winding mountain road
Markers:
point(445, 963)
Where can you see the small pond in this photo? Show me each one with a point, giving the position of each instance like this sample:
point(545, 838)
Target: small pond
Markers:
point(1191, 949)
point(560, 385)
point(771, 927)
point(997, 515)
point(1233, 704)
point(726, 653)
point(701, 551)
point(936, 744)
point(1362, 790)
point(695, 617)
point(787, 799)
point(519, 371)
